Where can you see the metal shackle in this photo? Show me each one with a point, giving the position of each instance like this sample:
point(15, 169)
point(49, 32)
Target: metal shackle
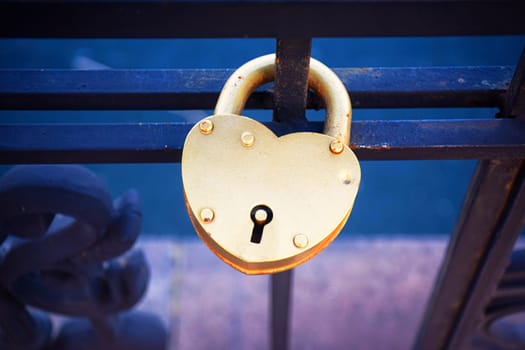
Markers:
point(321, 79)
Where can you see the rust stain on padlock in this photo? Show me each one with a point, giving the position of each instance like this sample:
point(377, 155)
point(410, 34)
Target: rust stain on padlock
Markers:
point(306, 181)
point(336, 146)
point(207, 215)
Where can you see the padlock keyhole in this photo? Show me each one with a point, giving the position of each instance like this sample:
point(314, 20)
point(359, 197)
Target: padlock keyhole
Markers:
point(261, 215)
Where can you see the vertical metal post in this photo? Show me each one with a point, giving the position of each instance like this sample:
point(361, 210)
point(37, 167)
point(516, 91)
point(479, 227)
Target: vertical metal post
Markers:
point(281, 309)
point(479, 249)
point(514, 104)
point(291, 80)
point(468, 248)
point(290, 92)
point(492, 268)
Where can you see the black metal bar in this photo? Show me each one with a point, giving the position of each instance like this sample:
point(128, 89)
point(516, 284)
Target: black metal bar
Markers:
point(467, 250)
point(162, 142)
point(509, 298)
point(493, 261)
point(292, 64)
point(291, 74)
point(199, 89)
point(478, 252)
point(257, 18)
point(281, 286)
point(515, 98)
point(512, 284)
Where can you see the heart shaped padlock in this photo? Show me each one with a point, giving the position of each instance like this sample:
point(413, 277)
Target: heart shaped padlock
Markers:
point(262, 203)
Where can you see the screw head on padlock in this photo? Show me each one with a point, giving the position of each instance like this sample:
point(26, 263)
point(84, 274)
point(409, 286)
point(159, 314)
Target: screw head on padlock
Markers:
point(262, 203)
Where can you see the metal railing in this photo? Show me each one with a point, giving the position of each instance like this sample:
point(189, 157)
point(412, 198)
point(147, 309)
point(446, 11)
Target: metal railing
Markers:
point(478, 282)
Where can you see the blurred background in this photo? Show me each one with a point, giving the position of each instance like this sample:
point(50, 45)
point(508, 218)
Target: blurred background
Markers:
point(365, 293)
point(396, 197)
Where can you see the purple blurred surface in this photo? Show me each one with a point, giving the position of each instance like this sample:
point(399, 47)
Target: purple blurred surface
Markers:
point(361, 293)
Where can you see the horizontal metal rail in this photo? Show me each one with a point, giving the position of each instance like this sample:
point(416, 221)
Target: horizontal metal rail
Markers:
point(162, 142)
point(258, 18)
point(492, 216)
point(199, 88)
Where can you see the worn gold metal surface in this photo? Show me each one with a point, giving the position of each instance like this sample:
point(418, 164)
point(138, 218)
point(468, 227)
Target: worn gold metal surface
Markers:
point(321, 79)
point(300, 241)
point(206, 126)
point(247, 139)
point(306, 189)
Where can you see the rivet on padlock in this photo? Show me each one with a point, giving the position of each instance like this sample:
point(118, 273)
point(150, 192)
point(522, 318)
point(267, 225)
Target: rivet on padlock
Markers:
point(262, 203)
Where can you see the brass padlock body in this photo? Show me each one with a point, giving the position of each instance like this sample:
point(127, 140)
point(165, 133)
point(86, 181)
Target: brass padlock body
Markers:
point(301, 185)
